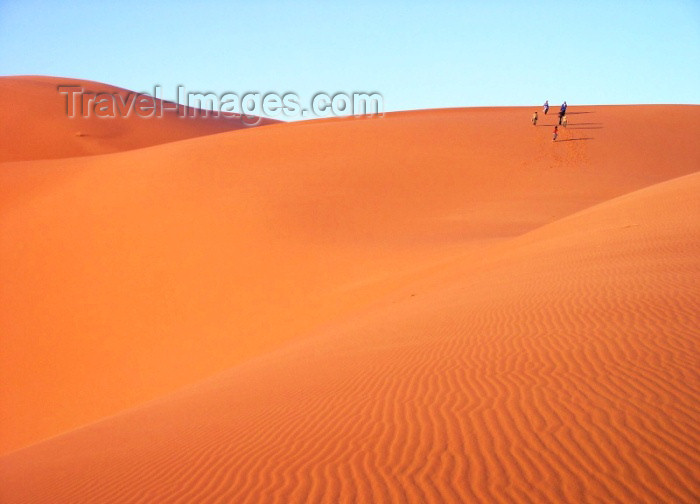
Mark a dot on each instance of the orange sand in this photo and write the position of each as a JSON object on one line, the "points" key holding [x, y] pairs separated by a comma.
{"points": [[434, 306], [35, 124]]}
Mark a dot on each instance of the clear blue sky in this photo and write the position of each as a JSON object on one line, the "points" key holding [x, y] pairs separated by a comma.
{"points": [[417, 54]]}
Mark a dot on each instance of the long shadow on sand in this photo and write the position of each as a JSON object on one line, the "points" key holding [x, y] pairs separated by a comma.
{"points": [[573, 126], [574, 139]]}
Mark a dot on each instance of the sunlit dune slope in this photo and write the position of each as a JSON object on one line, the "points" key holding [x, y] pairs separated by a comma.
{"points": [[36, 124], [557, 366], [128, 275]]}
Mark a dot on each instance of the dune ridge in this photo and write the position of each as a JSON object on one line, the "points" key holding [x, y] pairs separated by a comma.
{"points": [[434, 306], [504, 379], [127, 275], [36, 125]]}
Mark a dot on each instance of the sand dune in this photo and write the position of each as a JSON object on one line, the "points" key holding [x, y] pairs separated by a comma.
{"points": [[35, 124], [432, 306], [558, 367]]}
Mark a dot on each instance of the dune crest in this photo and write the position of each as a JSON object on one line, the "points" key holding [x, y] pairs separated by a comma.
{"points": [[36, 122], [126, 276], [559, 369], [438, 305]]}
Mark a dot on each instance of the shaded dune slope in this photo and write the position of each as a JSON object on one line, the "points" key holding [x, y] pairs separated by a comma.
{"points": [[35, 122], [557, 366], [126, 276]]}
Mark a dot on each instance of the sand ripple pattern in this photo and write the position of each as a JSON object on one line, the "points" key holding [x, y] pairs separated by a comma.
{"points": [[560, 367]]}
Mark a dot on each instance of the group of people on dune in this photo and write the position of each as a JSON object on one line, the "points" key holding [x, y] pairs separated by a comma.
{"points": [[562, 118]]}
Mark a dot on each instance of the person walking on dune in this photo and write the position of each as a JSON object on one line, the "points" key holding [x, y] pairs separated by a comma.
{"points": [[562, 109], [546, 107], [561, 116], [563, 121], [555, 134], [534, 119]]}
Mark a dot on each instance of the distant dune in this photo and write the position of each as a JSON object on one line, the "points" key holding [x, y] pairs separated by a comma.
{"points": [[35, 122], [433, 306]]}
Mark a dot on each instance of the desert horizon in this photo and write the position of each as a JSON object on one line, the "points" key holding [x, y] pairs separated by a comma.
{"points": [[349, 252], [438, 305]]}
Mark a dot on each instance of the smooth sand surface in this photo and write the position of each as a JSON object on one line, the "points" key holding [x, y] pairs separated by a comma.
{"points": [[36, 122], [435, 306]]}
